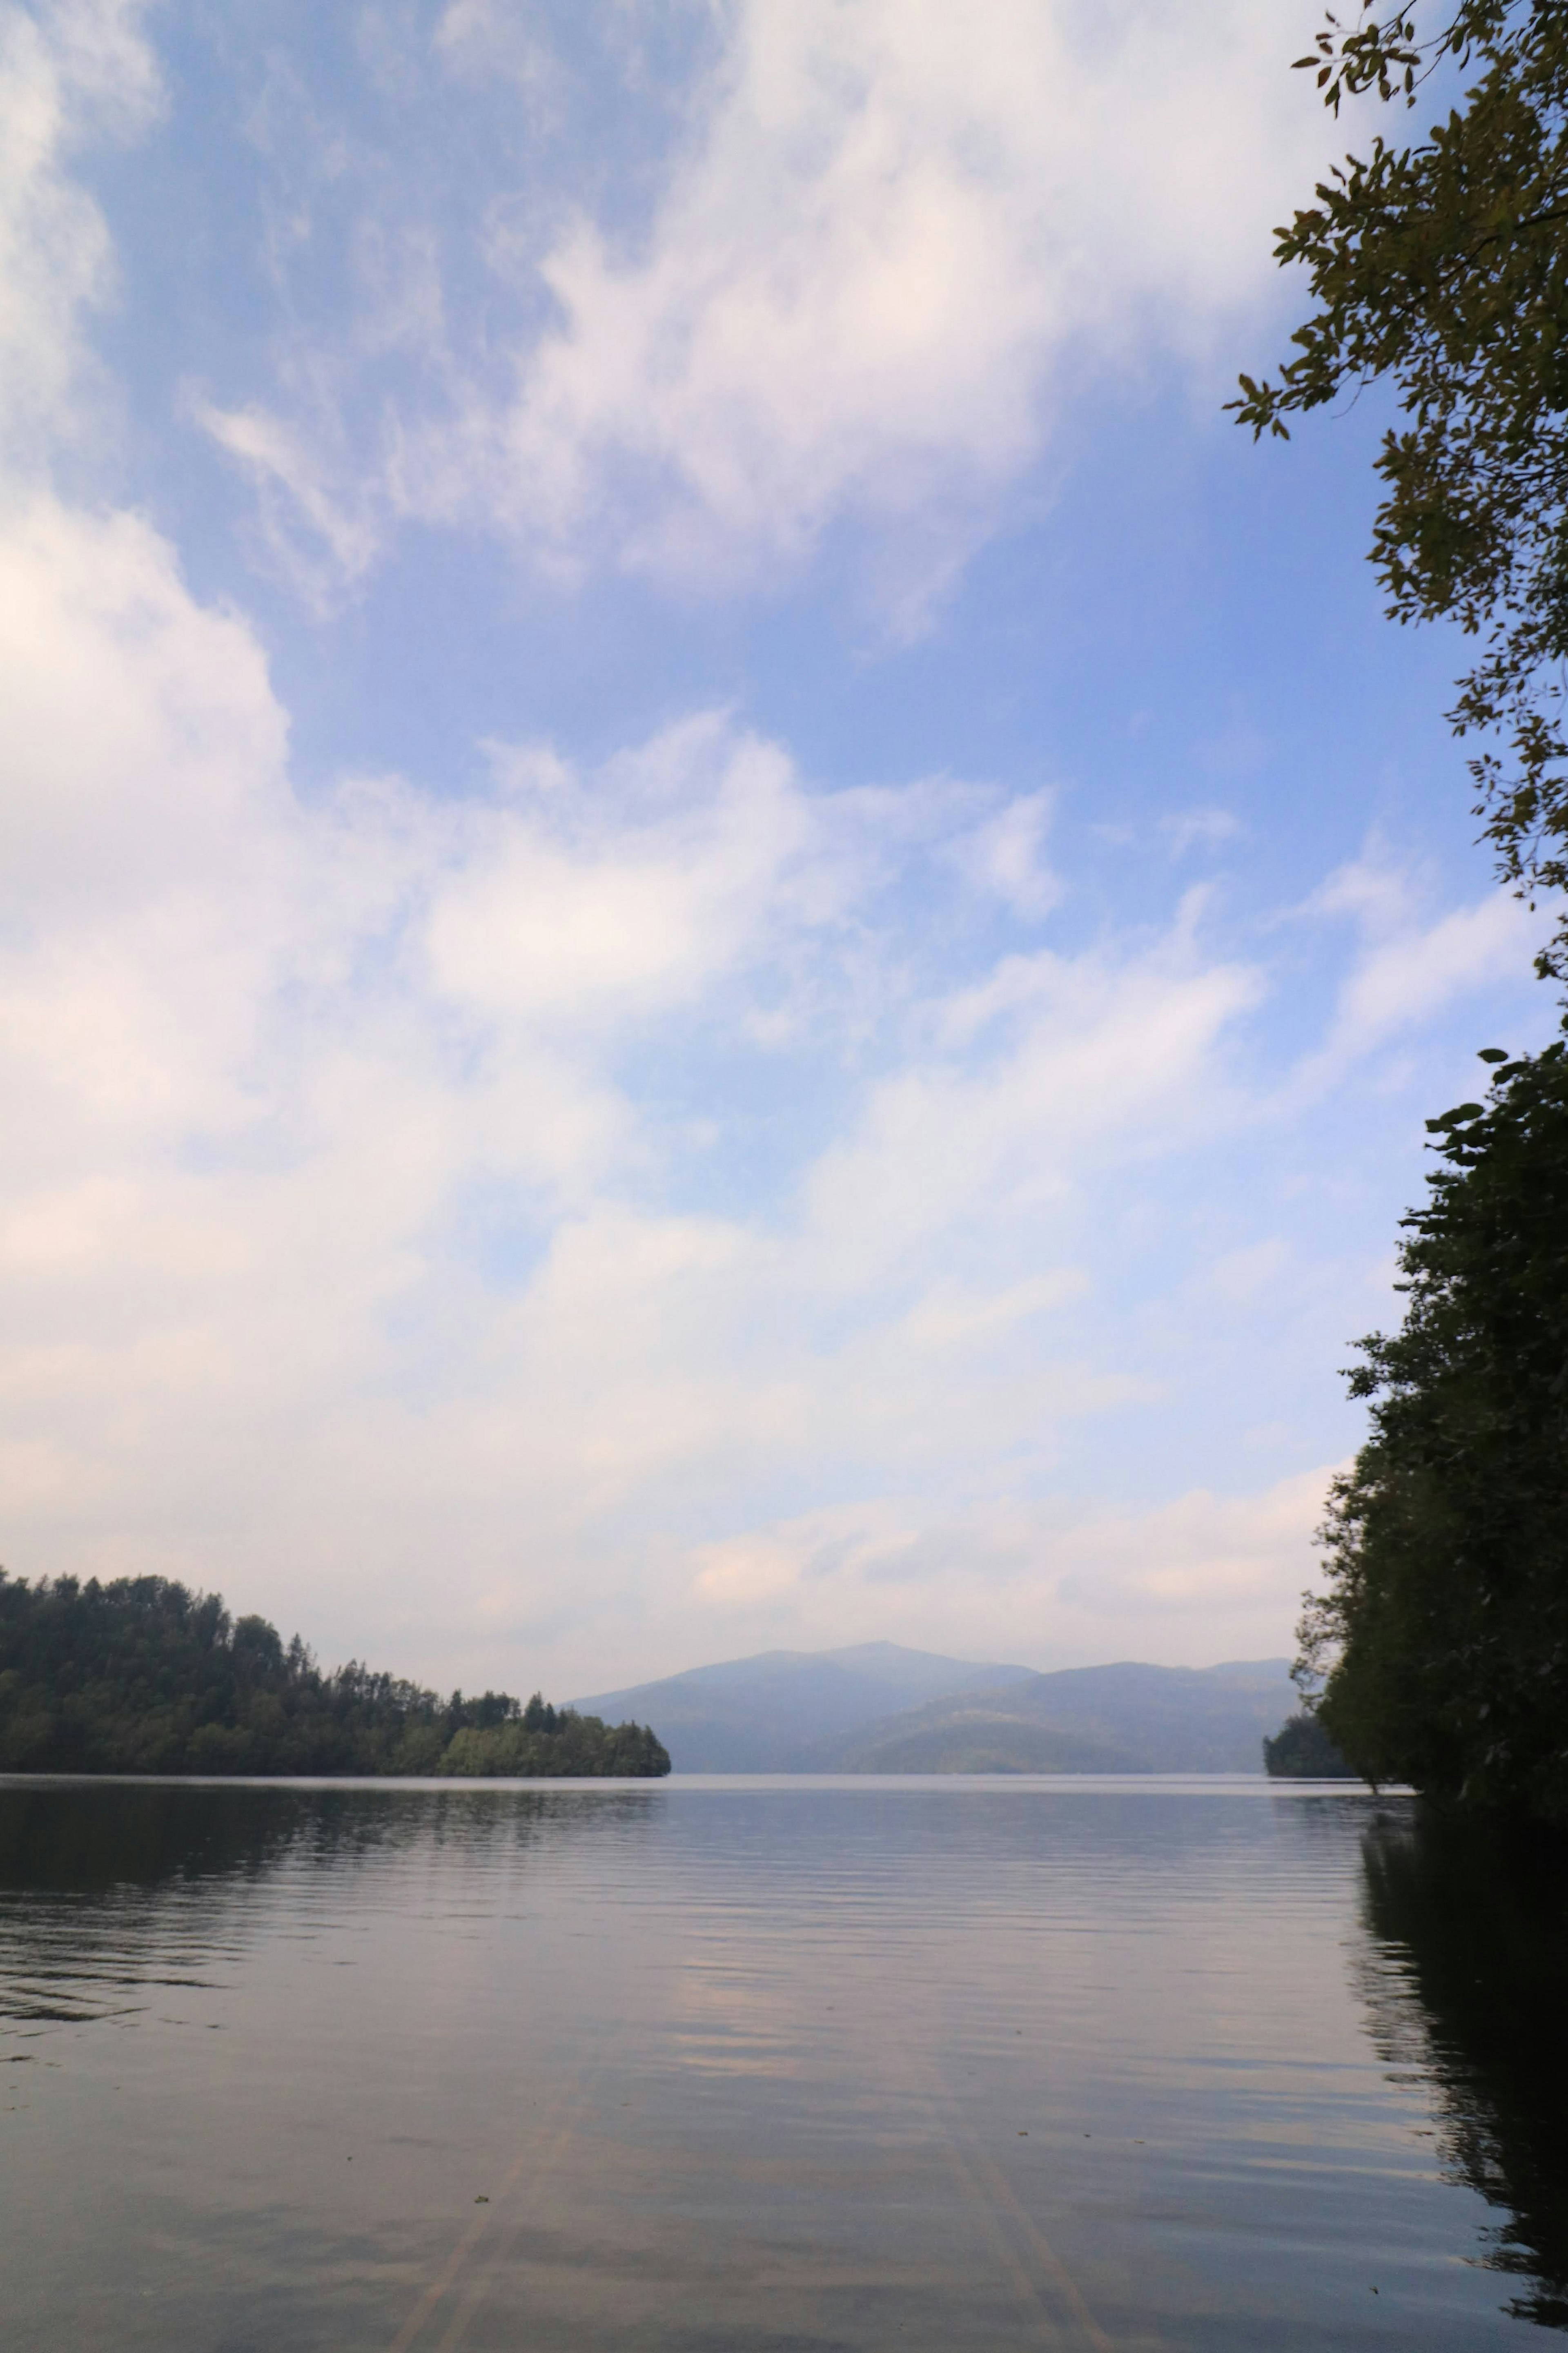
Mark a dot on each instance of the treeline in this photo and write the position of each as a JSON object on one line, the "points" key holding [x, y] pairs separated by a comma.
{"points": [[141, 1675], [1439, 268], [1301, 1751], [1443, 1633]]}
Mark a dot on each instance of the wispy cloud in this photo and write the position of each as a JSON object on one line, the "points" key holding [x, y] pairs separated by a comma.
{"points": [[878, 241], [673, 1192], [335, 1175], [1412, 960], [347, 1216], [1198, 828], [1045, 1585], [81, 69], [296, 483]]}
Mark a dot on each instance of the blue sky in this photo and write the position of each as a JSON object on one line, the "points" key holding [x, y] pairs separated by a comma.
{"points": [[721, 929]]}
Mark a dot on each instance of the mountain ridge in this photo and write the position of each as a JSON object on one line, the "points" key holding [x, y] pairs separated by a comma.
{"points": [[761, 1713], [882, 1707]]}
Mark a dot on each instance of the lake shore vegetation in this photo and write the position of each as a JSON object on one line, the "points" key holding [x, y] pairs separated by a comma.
{"points": [[143, 1675], [1302, 1750], [1439, 270], [1441, 1641]]}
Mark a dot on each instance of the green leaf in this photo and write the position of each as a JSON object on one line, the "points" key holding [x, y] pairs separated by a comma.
{"points": [[1437, 271]]}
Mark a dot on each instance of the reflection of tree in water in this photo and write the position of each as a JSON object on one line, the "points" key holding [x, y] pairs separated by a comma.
{"points": [[107, 1885], [1474, 1928], [65, 1840], [87, 1837]]}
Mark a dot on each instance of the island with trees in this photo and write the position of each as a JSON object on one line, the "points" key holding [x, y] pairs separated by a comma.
{"points": [[141, 1675]]}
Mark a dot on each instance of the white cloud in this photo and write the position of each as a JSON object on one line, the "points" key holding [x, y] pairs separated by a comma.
{"points": [[1411, 976], [77, 65], [1198, 828], [347, 1226], [888, 243], [284, 1079], [1408, 969], [294, 479], [1058, 1057], [950, 1316], [485, 38], [141, 729], [1246, 1555], [1006, 857], [630, 898], [1041, 1585], [631, 1199], [890, 226], [1374, 890], [337, 1231], [1250, 1276]]}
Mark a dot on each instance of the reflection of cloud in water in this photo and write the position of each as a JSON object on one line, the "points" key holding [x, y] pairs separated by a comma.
{"points": [[1468, 1988], [731, 2020]]}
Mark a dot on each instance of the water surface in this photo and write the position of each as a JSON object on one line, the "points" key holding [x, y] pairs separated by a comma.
{"points": [[771, 2065]]}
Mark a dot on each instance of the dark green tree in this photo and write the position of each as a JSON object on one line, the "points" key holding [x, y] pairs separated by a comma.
{"points": [[140, 1675], [1301, 1751], [1440, 268], [1443, 1632]]}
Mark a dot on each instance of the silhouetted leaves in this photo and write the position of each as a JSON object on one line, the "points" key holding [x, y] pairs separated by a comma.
{"points": [[1447, 1541], [1441, 268]]}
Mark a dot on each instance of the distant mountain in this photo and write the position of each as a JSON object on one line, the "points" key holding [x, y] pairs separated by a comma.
{"points": [[880, 1708], [1120, 1719], [767, 1714]]}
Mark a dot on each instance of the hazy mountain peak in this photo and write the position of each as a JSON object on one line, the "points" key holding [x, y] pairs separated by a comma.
{"points": [[871, 1706]]}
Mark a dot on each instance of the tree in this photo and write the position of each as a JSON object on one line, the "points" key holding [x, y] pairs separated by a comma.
{"points": [[1301, 1751], [1444, 1628], [140, 1675], [1441, 268]]}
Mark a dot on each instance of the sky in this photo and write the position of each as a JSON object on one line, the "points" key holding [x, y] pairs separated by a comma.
{"points": [[721, 929]]}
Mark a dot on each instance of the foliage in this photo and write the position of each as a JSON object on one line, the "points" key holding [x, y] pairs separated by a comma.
{"points": [[1301, 1751], [580, 1744], [1446, 1615], [1441, 268], [140, 1675]]}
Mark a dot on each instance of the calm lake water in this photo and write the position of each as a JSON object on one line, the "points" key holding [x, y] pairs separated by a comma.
{"points": [[773, 2064]]}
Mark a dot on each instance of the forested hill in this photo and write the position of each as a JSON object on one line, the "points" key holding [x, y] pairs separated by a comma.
{"points": [[141, 1675]]}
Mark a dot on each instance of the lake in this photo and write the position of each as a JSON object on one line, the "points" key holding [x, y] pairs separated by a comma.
{"points": [[866, 2063]]}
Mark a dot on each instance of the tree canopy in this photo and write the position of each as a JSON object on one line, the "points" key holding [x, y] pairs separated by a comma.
{"points": [[1444, 1628], [1441, 267], [141, 1675], [1301, 1751]]}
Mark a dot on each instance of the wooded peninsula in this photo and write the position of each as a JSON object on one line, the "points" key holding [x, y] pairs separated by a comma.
{"points": [[141, 1675]]}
